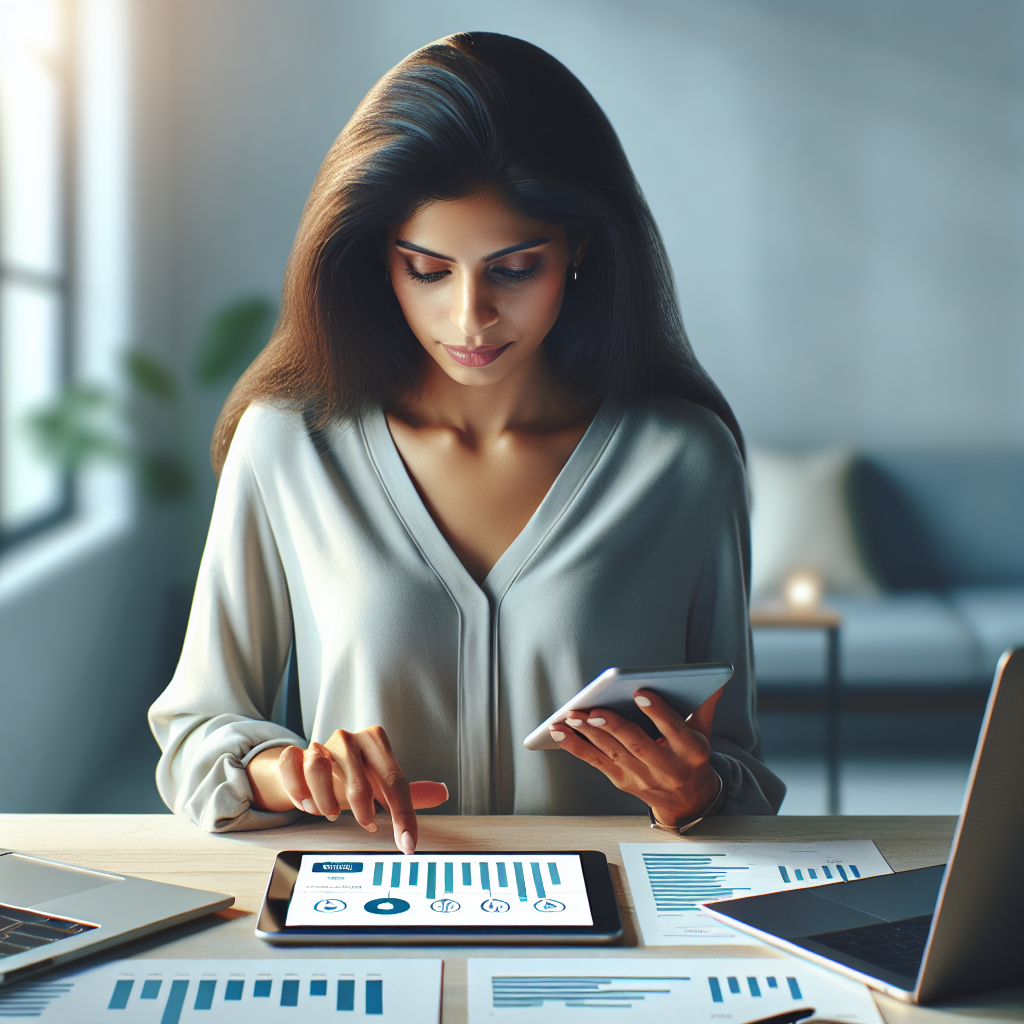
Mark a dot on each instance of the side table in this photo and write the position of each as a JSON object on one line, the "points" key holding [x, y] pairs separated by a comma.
{"points": [[781, 616]]}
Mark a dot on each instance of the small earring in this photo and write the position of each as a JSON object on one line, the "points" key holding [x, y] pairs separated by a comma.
{"points": [[575, 273]]}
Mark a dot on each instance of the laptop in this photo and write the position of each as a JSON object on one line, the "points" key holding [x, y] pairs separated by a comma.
{"points": [[936, 932], [51, 912]]}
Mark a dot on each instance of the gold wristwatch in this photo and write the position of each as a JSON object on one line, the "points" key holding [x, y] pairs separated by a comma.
{"points": [[680, 827]]}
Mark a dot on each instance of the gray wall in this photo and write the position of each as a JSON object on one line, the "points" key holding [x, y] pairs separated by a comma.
{"points": [[838, 185]]}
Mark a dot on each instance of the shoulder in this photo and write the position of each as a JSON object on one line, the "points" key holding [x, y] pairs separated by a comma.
{"points": [[274, 434], [696, 442]]}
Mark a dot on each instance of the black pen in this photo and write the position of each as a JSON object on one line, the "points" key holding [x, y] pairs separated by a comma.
{"points": [[789, 1017]]}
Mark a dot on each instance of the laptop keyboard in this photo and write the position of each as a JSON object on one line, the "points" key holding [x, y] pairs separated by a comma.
{"points": [[21, 930], [896, 946]]}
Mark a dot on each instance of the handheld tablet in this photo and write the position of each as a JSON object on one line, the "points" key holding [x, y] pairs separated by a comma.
{"points": [[685, 687], [390, 898]]}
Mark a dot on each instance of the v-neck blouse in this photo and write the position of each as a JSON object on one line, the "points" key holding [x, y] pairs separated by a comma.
{"points": [[320, 546]]}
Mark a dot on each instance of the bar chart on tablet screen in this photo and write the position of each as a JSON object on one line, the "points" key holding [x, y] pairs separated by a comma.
{"points": [[669, 882], [250, 991]]}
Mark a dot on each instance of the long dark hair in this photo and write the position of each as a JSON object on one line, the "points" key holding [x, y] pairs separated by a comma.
{"points": [[471, 112]]}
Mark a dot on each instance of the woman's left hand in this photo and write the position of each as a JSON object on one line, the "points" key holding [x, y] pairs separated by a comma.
{"points": [[671, 774]]}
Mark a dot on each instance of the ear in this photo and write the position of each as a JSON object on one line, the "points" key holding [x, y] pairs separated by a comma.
{"points": [[581, 250]]}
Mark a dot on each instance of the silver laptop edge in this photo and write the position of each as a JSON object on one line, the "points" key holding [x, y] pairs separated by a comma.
{"points": [[975, 897]]}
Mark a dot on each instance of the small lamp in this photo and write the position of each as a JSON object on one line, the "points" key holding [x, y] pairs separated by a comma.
{"points": [[802, 590]]}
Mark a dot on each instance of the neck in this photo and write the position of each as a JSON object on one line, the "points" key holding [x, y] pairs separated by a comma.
{"points": [[530, 399]]}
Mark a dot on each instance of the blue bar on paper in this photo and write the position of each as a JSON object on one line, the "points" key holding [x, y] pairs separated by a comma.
{"points": [[467, 873], [553, 872], [799, 875], [396, 874], [374, 997], [449, 877], [234, 989], [824, 867], [716, 990], [772, 983], [378, 873], [502, 875], [485, 877], [842, 873], [811, 873], [261, 988], [318, 987], [538, 880], [204, 997], [734, 986], [414, 873], [784, 873], [854, 871], [794, 988], [520, 880], [755, 989], [175, 1001], [290, 992], [347, 993], [151, 988], [431, 880], [122, 990]]}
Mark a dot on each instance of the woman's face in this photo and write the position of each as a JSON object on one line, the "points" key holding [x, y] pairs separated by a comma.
{"points": [[480, 284]]}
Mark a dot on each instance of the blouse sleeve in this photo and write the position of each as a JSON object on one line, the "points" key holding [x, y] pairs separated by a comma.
{"points": [[215, 714], [719, 630]]}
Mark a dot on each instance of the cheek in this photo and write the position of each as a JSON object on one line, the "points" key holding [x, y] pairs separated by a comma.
{"points": [[536, 308]]}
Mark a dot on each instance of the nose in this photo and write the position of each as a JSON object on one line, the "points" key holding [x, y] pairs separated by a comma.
{"points": [[473, 311]]}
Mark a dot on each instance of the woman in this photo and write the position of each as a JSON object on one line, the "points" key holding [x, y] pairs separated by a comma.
{"points": [[476, 464]]}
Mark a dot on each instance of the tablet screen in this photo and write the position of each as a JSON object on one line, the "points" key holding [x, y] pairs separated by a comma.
{"points": [[536, 890]]}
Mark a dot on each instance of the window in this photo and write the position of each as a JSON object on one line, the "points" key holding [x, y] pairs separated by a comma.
{"points": [[36, 223]]}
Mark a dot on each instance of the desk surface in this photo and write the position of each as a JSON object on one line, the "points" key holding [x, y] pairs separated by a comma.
{"points": [[168, 849]]}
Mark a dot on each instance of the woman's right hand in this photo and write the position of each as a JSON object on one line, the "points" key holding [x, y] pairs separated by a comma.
{"points": [[350, 770]]}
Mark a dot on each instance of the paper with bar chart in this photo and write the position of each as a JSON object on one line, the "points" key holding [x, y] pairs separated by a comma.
{"points": [[614, 990], [440, 890], [253, 991], [669, 882]]}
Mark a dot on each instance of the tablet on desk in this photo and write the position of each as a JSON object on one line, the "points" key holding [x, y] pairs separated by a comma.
{"points": [[685, 687], [439, 898]]}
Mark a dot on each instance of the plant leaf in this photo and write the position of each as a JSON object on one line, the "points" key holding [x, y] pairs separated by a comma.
{"points": [[164, 477], [150, 376], [234, 338], [71, 429]]}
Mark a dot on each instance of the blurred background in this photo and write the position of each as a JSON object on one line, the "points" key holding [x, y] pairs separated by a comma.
{"points": [[839, 185]]}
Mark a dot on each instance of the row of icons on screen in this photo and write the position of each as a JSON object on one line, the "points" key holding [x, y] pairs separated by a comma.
{"points": [[394, 905]]}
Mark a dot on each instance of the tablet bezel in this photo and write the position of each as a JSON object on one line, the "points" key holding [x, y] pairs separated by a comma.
{"points": [[607, 926]]}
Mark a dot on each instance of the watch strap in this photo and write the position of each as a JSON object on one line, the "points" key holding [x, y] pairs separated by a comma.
{"points": [[682, 826]]}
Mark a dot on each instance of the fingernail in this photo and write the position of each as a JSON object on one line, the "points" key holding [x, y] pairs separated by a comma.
{"points": [[309, 807], [407, 844], [644, 702], [333, 817], [596, 721], [372, 827], [557, 736], [446, 793], [298, 806], [574, 722]]}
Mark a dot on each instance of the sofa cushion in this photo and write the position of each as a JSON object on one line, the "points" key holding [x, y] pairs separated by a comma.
{"points": [[996, 617]]}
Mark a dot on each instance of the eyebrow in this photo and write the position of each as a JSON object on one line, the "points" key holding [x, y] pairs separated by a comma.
{"points": [[402, 243]]}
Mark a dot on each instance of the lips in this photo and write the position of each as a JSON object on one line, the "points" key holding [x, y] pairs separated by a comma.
{"points": [[475, 356]]}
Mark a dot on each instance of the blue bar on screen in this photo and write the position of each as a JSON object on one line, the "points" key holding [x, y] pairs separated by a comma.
{"points": [[772, 983], [485, 877], [799, 875], [824, 867], [449, 877], [734, 986], [396, 874], [150, 989], [784, 873], [842, 873], [811, 873], [854, 871], [716, 990], [175, 1001], [122, 990], [346, 994], [502, 875], [755, 989], [431, 880], [553, 872], [261, 988], [467, 873], [290, 992], [234, 989], [538, 880], [204, 997], [520, 880], [318, 987], [374, 997], [378, 873], [414, 873], [794, 988]]}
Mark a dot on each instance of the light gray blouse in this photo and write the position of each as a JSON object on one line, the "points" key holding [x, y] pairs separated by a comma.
{"points": [[638, 555]]}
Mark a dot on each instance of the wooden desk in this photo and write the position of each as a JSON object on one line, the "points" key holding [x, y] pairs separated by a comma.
{"points": [[169, 849]]}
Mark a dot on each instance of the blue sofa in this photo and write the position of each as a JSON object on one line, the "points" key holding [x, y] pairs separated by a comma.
{"points": [[943, 535]]}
